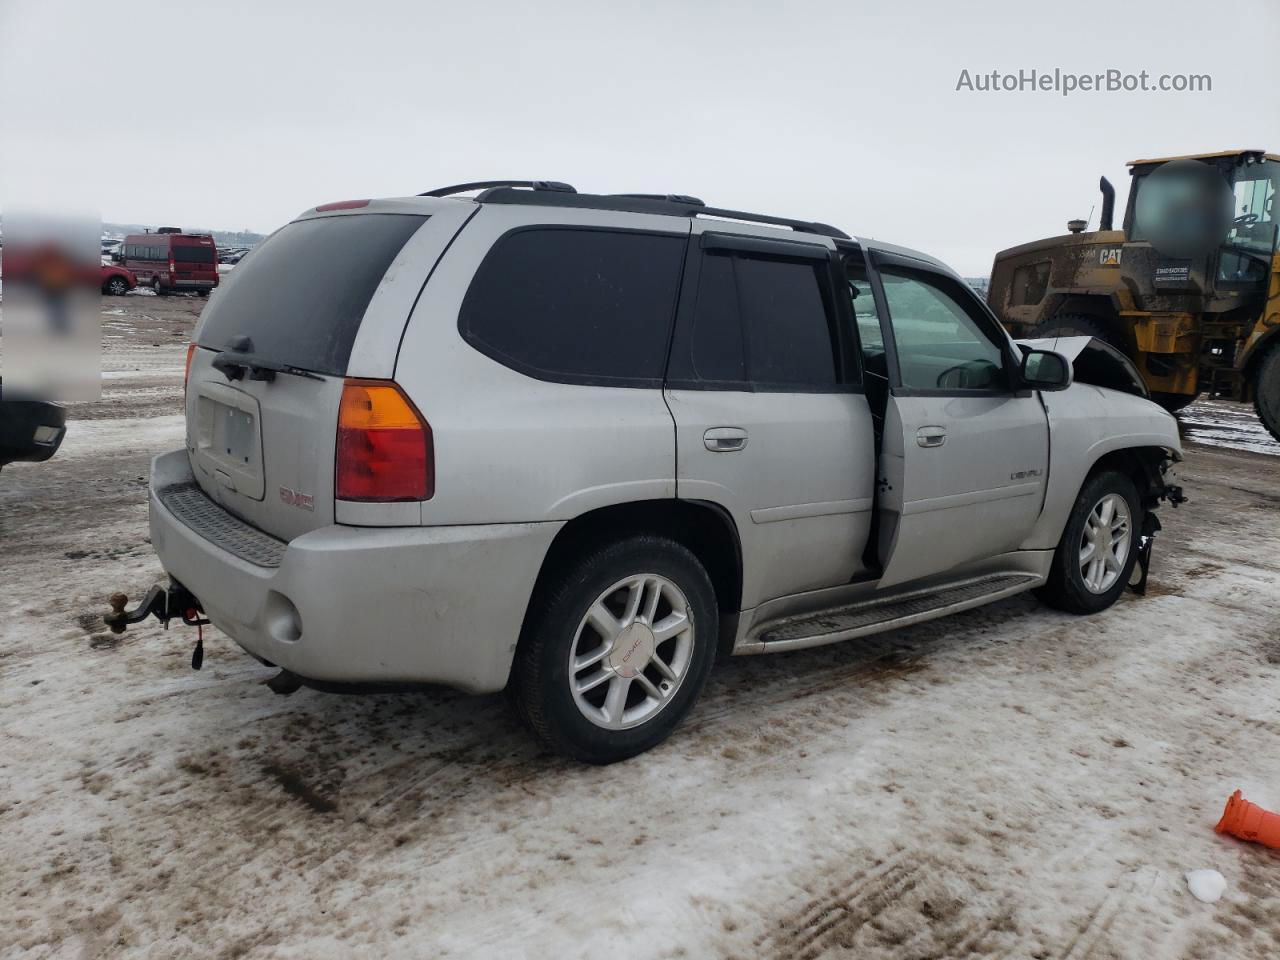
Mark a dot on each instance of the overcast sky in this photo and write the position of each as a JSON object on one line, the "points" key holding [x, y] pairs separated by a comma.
{"points": [[234, 115]]}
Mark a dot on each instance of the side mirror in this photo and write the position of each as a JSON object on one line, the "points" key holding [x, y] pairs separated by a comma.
{"points": [[1045, 370]]}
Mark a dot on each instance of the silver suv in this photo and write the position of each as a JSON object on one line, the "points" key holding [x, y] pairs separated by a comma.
{"points": [[575, 446]]}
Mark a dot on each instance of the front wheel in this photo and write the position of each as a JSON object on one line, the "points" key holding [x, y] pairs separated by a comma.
{"points": [[1266, 390], [616, 649], [117, 287], [1099, 547]]}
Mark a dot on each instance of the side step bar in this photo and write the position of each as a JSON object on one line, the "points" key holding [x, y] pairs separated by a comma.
{"points": [[878, 615]]}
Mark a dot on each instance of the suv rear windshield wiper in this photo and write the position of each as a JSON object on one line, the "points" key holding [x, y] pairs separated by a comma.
{"points": [[234, 365]]}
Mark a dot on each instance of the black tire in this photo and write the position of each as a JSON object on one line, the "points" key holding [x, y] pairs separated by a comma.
{"points": [[116, 287], [158, 287], [1266, 390], [203, 293], [539, 688], [1065, 588], [1078, 325], [1173, 402]]}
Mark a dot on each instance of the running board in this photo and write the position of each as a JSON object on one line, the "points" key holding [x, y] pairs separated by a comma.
{"points": [[876, 616]]}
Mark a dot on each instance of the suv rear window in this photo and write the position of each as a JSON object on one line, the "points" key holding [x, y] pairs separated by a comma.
{"points": [[301, 294], [577, 305], [192, 254]]}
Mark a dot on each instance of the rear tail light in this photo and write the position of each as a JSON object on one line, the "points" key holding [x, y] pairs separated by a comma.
{"points": [[186, 373], [172, 271], [384, 450]]}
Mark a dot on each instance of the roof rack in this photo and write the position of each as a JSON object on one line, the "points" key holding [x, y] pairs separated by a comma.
{"points": [[670, 204], [554, 186]]}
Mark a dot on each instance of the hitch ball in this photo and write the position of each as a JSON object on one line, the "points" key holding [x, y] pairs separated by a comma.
{"points": [[116, 618]]}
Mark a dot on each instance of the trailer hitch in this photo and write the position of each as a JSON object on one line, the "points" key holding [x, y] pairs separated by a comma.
{"points": [[165, 603]]}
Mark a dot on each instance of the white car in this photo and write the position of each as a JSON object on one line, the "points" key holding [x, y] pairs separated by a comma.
{"points": [[576, 445]]}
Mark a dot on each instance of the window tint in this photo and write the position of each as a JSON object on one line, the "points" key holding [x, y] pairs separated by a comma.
{"points": [[785, 320], [867, 317], [717, 329], [940, 343], [760, 320], [193, 254], [303, 293], [577, 304]]}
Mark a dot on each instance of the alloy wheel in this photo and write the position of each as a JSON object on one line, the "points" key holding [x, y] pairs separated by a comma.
{"points": [[1105, 543], [631, 651]]}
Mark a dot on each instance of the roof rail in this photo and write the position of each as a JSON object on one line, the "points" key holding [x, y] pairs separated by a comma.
{"points": [[554, 186], [670, 204]]}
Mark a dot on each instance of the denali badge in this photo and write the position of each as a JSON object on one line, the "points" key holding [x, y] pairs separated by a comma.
{"points": [[295, 499], [1025, 474]]}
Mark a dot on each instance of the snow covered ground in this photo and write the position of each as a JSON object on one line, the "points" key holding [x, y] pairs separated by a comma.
{"points": [[1010, 782]]}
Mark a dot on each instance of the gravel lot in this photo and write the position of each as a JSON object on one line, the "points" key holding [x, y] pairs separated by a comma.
{"points": [[1009, 782]]}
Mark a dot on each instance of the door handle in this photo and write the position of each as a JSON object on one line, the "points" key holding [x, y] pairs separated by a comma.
{"points": [[724, 439], [931, 436]]}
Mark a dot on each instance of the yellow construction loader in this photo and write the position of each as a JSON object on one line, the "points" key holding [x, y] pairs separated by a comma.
{"points": [[1194, 317]]}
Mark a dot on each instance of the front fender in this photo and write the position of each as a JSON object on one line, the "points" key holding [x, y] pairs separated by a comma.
{"points": [[1086, 423]]}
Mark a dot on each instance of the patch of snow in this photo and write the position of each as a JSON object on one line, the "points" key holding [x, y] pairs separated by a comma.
{"points": [[1206, 885], [1224, 423]]}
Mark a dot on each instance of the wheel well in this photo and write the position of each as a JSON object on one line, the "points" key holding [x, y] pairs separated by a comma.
{"points": [[1091, 307], [704, 528], [1143, 465]]}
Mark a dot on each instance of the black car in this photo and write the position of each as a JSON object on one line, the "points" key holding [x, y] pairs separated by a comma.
{"points": [[30, 430]]}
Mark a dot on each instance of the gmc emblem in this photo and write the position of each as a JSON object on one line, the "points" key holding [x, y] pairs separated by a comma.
{"points": [[293, 498]]}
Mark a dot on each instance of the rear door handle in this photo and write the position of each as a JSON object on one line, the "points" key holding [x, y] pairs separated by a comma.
{"points": [[931, 436], [724, 439]]}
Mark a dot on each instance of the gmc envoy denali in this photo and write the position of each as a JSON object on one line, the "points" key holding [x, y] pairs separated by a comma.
{"points": [[574, 446]]}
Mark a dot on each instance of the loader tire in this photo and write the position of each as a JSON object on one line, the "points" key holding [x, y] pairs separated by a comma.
{"points": [[1266, 390]]}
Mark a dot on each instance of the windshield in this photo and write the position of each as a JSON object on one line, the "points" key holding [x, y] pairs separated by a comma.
{"points": [[300, 296], [1253, 225]]}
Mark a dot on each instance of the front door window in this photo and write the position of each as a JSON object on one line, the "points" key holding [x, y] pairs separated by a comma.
{"points": [[940, 343]]}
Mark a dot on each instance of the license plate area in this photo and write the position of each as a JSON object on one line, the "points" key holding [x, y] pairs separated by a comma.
{"points": [[229, 439]]}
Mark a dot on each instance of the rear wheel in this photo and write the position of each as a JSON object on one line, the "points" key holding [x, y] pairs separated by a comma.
{"points": [[158, 287], [1099, 547], [616, 650], [1266, 390]]}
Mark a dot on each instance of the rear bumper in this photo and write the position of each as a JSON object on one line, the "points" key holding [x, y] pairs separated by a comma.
{"points": [[363, 604]]}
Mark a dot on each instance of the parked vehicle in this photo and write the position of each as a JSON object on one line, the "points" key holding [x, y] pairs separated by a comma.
{"points": [[30, 430], [577, 445], [172, 262], [117, 281]]}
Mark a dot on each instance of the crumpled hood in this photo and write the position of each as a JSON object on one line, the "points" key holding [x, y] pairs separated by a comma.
{"points": [[1094, 361]]}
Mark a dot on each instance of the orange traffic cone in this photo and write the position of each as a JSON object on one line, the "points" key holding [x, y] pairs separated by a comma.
{"points": [[1248, 821]]}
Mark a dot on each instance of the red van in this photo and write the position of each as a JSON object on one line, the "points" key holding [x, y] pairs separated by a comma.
{"points": [[170, 261]]}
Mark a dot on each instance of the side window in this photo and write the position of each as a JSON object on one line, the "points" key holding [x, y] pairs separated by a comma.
{"points": [[717, 349], [940, 342], [576, 304], [867, 317], [762, 320], [786, 321]]}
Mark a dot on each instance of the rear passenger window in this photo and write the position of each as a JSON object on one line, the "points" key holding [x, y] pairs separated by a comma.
{"points": [[577, 304], [759, 322], [785, 321]]}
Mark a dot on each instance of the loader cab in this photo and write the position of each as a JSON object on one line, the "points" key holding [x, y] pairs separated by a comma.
{"points": [[1238, 266]]}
